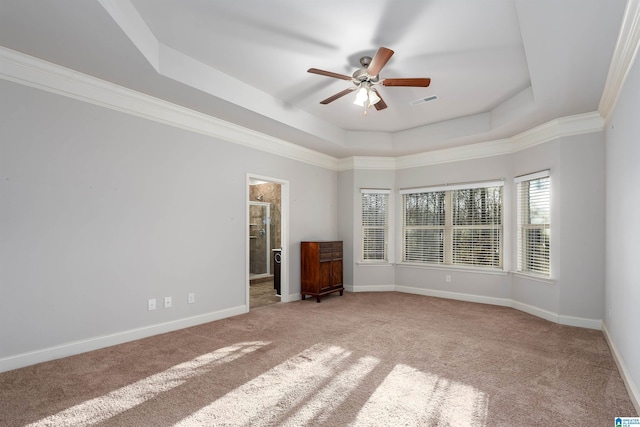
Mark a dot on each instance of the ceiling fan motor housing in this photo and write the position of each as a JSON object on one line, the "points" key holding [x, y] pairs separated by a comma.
{"points": [[362, 75]]}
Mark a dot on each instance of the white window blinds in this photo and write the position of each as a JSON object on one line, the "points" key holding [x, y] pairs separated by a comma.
{"points": [[375, 224], [534, 223], [454, 225], [477, 226], [424, 227]]}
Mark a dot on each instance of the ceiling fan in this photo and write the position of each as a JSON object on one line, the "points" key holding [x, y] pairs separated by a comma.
{"points": [[366, 78]]}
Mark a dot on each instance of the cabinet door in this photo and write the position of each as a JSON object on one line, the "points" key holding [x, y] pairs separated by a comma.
{"points": [[310, 274], [326, 276], [336, 272]]}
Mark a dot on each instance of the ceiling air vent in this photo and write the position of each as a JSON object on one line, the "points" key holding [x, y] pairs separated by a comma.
{"points": [[423, 100]]}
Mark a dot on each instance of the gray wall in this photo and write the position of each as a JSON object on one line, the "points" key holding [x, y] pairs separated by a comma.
{"points": [[492, 288], [577, 228], [575, 293], [622, 296], [346, 224], [367, 276], [101, 211], [371, 276]]}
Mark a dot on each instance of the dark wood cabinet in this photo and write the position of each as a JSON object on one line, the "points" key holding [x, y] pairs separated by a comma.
{"points": [[321, 271]]}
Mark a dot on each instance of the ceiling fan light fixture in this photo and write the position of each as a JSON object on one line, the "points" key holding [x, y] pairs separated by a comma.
{"points": [[373, 97], [361, 96]]}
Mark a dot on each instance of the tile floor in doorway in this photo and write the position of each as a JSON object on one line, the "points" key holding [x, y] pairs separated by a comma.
{"points": [[262, 293]]}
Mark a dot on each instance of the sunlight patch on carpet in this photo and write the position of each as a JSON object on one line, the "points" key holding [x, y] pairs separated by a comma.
{"points": [[410, 397], [330, 397], [104, 407], [305, 389], [267, 397]]}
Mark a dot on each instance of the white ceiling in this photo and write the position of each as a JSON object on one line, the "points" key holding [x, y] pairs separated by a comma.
{"points": [[498, 67]]}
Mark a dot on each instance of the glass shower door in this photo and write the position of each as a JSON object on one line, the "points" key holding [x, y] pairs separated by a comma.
{"points": [[259, 239]]}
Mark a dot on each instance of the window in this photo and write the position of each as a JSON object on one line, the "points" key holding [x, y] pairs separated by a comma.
{"points": [[375, 224], [424, 226], [534, 217], [454, 225]]}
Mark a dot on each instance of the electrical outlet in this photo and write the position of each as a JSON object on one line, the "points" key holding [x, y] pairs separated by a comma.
{"points": [[447, 278], [168, 302], [191, 298], [151, 304]]}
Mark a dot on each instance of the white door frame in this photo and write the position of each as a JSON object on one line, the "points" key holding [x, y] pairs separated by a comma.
{"points": [[284, 234]]}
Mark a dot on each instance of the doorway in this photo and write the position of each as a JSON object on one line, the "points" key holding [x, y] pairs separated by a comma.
{"points": [[267, 229]]}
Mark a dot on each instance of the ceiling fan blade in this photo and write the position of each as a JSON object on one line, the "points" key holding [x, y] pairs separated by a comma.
{"points": [[337, 95], [382, 56], [417, 82], [328, 74], [380, 105]]}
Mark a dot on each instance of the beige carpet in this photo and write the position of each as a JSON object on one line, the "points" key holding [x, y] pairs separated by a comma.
{"points": [[366, 359]]}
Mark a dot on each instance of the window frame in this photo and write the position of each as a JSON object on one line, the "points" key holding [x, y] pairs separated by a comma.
{"points": [[448, 228], [524, 256], [364, 227]]}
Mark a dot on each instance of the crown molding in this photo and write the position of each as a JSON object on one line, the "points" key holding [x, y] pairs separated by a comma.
{"points": [[455, 154], [555, 129], [364, 162], [33, 72], [36, 73], [558, 128], [623, 57]]}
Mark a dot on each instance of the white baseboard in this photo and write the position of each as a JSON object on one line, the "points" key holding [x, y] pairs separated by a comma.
{"points": [[455, 296], [632, 388], [505, 302], [580, 322], [536, 311], [294, 297], [82, 346], [373, 288]]}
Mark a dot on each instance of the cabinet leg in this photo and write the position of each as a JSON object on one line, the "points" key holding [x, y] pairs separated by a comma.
{"points": [[318, 299], [341, 292], [303, 296]]}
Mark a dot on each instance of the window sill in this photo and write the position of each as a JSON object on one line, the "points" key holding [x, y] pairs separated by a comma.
{"points": [[459, 268], [547, 280], [374, 264]]}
